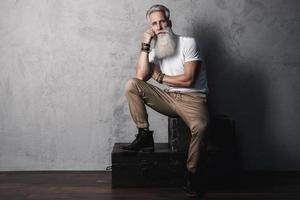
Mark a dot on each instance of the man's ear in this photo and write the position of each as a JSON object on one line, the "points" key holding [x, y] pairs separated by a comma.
{"points": [[170, 23]]}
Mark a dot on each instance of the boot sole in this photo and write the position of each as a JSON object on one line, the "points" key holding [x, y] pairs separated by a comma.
{"points": [[147, 149]]}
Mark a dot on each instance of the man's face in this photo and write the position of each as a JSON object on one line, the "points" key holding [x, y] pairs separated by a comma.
{"points": [[158, 22], [165, 40]]}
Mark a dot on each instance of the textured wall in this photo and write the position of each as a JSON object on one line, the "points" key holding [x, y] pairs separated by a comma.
{"points": [[63, 65]]}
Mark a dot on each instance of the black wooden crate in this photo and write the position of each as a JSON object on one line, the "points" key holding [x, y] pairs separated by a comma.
{"points": [[161, 168]]}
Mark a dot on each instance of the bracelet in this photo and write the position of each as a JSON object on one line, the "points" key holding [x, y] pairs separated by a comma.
{"points": [[145, 47], [145, 44], [160, 78]]}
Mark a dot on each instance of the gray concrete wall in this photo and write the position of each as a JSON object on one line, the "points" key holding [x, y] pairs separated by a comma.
{"points": [[63, 65]]}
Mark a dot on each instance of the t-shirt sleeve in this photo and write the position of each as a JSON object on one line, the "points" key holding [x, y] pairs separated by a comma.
{"points": [[191, 51]]}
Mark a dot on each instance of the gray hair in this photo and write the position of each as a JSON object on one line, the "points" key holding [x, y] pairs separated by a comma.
{"points": [[158, 7]]}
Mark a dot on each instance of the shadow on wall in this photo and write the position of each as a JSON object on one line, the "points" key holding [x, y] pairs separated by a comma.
{"points": [[237, 90]]}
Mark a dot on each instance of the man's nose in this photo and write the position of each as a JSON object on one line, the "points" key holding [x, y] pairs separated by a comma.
{"points": [[159, 27]]}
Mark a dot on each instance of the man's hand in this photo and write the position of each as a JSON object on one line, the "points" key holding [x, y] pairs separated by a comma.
{"points": [[148, 35], [155, 72]]}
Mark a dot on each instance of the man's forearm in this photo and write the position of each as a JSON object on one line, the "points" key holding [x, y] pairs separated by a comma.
{"points": [[178, 81], [143, 67]]}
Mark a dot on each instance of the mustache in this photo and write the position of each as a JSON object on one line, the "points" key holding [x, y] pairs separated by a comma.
{"points": [[163, 31]]}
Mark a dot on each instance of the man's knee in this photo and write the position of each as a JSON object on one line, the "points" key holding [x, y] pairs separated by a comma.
{"points": [[131, 85], [198, 130]]}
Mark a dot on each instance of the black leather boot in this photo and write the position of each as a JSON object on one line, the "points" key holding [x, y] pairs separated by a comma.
{"points": [[143, 142], [193, 187]]}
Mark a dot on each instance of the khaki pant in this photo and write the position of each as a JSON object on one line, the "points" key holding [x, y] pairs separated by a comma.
{"points": [[191, 107]]}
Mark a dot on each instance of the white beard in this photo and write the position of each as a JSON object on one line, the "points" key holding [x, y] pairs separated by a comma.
{"points": [[165, 44]]}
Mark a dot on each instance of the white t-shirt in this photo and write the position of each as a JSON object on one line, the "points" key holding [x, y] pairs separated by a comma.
{"points": [[186, 51]]}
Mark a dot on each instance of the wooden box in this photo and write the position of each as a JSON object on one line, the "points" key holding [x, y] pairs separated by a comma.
{"points": [[161, 168]]}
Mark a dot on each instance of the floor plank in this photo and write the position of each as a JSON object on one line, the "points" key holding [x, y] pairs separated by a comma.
{"points": [[87, 185]]}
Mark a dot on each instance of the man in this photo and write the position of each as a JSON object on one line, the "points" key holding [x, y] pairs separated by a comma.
{"points": [[175, 61]]}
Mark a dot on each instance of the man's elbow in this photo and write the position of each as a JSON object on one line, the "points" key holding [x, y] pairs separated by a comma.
{"points": [[189, 83], [142, 78]]}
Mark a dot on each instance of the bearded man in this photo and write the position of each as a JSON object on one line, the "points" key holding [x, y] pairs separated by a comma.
{"points": [[175, 61]]}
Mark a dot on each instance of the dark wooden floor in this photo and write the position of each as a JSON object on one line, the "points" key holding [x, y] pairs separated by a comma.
{"points": [[97, 185]]}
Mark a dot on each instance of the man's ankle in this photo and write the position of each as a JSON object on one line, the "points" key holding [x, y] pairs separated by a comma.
{"points": [[141, 130]]}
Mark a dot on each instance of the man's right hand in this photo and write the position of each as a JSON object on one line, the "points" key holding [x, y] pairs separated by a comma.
{"points": [[148, 35]]}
